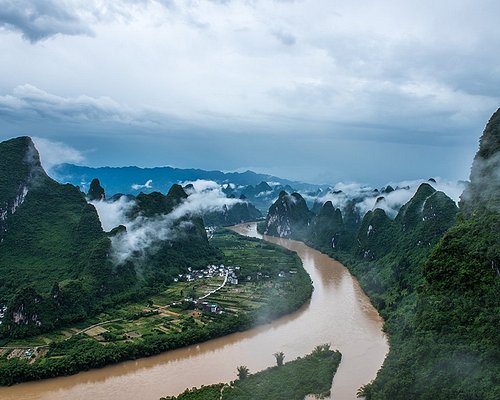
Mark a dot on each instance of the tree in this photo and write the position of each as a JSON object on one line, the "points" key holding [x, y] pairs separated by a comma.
{"points": [[243, 372], [279, 358]]}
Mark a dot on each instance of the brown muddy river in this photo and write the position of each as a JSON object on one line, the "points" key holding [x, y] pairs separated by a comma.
{"points": [[339, 313]]}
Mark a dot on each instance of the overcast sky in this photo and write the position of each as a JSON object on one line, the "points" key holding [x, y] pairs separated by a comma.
{"points": [[317, 90]]}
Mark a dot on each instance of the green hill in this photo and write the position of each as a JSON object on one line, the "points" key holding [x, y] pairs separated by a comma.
{"points": [[288, 216], [51, 239], [434, 274], [186, 245], [56, 263]]}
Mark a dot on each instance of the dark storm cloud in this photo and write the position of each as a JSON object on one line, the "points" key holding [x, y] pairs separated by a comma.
{"points": [[371, 91], [27, 102], [37, 20]]}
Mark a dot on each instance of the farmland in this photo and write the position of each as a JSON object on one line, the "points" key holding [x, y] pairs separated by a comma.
{"points": [[257, 283]]}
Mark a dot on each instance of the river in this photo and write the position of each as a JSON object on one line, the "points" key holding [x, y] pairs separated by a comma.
{"points": [[338, 313]]}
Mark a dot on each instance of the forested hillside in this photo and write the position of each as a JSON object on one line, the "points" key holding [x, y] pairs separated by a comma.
{"points": [[56, 262], [433, 273]]}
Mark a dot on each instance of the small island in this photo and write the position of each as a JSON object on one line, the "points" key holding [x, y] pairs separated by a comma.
{"points": [[309, 375]]}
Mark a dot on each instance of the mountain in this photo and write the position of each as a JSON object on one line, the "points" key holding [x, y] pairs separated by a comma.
{"points": [[484, 188], [132, 180], [376, 235], [51, 239], [288, 216], [20, 169], [238, 213], [96, 191], [58, 266], [458, 305], [252, 191], [170, 244], [328, 228], [433, 272]]}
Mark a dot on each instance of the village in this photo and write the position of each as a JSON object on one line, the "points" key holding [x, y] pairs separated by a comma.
{"points": [[230, 275], [251, 276], [194, 296]]}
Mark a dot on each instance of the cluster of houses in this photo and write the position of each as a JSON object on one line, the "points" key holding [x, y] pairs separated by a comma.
{"points": [[210, 272], [221, 270], [208, 307], [230, 275]]}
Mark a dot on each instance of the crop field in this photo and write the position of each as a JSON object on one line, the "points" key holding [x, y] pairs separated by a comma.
{"points": [[254, 275]]}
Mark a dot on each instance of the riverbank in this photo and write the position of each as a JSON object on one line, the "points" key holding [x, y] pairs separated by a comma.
{"points": [[294, 380], [266, 283], [338, 313]]}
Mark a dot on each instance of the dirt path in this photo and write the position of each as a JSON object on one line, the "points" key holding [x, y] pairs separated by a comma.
{"points": [[216, 290]]}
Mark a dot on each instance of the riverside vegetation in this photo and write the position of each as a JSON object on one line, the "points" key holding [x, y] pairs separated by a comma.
{"points": [[67, 305], [273, 283], [308, 375], [432, 272]]}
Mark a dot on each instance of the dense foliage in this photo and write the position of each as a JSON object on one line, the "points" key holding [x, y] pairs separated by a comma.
{"points": [[276, 297], [77, 354], [55, 264], [237, 213], [288, 216], [434, 277], [312, 374]]}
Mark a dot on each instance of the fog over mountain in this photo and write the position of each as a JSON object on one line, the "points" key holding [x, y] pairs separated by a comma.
{"points": [[390, 197]]}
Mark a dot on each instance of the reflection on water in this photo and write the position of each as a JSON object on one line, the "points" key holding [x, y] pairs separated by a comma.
{"points": [[339, 313]]}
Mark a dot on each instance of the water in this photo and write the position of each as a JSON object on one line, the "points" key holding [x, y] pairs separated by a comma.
{"points": [[339, 313]]}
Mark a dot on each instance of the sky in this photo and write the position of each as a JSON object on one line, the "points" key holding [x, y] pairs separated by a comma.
{"points": [[315, 90]]}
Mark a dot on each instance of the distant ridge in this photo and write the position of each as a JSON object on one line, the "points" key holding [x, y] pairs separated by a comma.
{"points": [[135, 179]]}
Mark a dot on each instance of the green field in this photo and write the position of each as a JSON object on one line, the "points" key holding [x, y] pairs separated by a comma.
{"points": [[271, 283]]}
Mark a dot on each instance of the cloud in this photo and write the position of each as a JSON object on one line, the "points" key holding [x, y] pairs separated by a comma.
{"points": [[53, 153], [284, 37], [29, 101], [113, 214], [144, 234], [201, 185], [147, 185], [38, 20], [357, 78], [367, 199]]}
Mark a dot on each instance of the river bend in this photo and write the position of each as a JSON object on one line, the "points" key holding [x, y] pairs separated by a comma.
{"points": [[338, 313]]}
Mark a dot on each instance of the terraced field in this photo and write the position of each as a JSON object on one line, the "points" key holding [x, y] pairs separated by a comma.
{"points": [[270, 281]]}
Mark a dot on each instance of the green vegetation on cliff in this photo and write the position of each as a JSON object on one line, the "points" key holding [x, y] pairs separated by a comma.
{"points": [[434, 274], [55, 259], [53, 252], [448, 346]]}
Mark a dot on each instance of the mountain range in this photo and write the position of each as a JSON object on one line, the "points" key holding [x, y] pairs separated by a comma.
{"points": [[133, 180], [58, 265], [433, 272]]}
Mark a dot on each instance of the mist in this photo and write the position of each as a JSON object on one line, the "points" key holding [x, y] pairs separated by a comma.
{"points": [[144, 234], [368, 199]]}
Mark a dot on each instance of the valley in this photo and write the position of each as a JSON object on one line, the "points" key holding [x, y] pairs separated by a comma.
{"points": [[259, 283], [338, 313], [135, 276], [249, 200]]}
